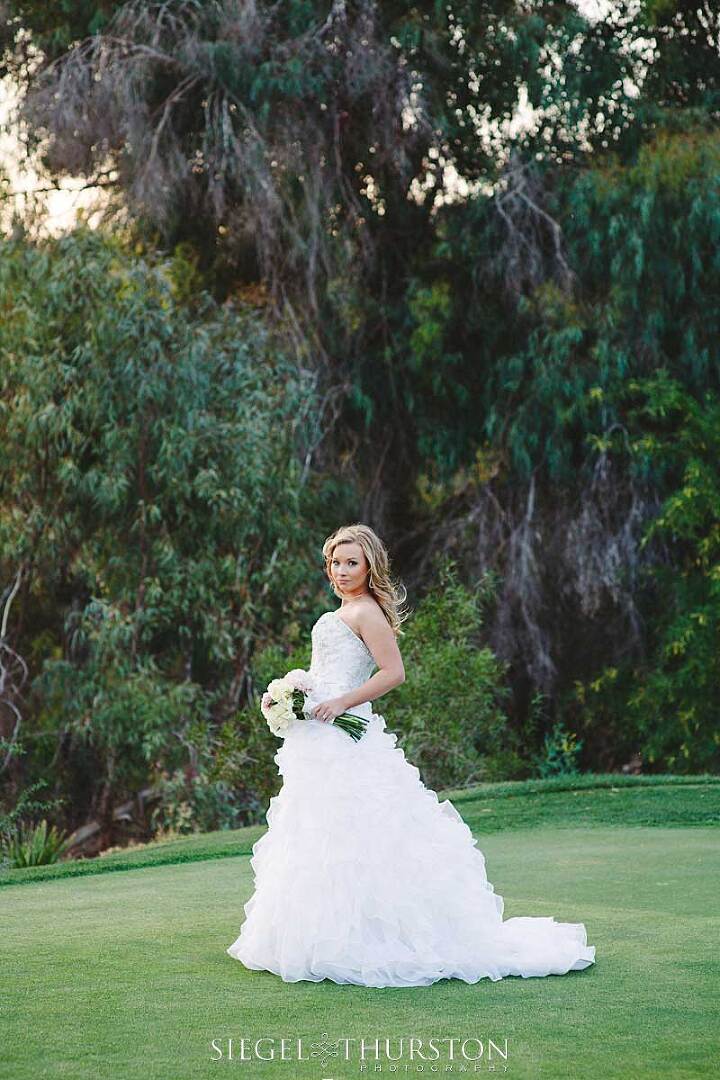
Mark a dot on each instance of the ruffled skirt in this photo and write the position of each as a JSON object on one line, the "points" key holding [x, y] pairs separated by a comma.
{"points": [[365, 877]]}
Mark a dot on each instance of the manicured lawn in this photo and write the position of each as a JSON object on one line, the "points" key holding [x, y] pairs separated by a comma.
{"points": [[598, 799], [125, 975]]}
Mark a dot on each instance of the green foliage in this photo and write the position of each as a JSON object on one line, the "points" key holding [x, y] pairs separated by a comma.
{"points": [[543, 380], [664, 707], [195, 805], [27, 807], [449, 712], [25, 841], [597, 708], [32, 845], [675, 701], [151, 499], [552, 394], [235, 773], [151, 494], [561, 752]]}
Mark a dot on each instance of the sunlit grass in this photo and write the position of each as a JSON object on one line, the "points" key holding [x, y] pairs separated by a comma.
{"points": [[125, 975]]}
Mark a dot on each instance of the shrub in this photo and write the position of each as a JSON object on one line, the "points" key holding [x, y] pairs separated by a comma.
{"points": [[448, 714], [561, 751], [32, 845]]}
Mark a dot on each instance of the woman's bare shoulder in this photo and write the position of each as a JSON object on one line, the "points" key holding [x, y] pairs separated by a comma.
{"points": [[369, 614]]}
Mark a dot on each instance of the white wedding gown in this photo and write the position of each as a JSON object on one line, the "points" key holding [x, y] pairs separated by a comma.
{"points": [[363, 876]]}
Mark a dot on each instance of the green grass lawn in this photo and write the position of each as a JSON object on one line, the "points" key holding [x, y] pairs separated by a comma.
{"points": [[124, 975]]}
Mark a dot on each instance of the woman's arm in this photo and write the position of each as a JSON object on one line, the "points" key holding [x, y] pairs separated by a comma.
{"points": [[377, 685], [377, 634]]}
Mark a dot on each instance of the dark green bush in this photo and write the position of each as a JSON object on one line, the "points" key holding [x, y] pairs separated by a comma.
{"points": [[448, 714]]}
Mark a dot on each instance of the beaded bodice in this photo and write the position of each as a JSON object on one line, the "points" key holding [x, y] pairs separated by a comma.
{"points": [[340, 659]]}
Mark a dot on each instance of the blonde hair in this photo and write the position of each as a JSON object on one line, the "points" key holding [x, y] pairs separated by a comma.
{"points": [[389, 594]]}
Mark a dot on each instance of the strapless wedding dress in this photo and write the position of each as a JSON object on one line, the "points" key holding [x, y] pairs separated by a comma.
{"points": [[363, 876]]}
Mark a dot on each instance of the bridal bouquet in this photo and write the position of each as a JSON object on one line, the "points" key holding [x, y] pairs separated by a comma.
{"points": [[283, 703]]}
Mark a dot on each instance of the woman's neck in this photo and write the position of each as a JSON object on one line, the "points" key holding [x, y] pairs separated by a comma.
{"points": [[349, 599]]}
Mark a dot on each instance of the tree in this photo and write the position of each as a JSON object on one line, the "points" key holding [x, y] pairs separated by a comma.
{"points": [[154, 500]]}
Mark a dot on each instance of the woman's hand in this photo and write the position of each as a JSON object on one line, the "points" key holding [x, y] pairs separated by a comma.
{"points": [[328, 710]]}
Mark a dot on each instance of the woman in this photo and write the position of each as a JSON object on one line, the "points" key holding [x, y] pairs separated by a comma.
{"points": [[363, 876]]}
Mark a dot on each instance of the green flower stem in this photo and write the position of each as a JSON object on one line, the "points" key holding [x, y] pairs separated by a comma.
{"points": [[353, 725]]}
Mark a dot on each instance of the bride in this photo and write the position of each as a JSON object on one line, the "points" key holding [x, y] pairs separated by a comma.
{"points": [[363, 876]]}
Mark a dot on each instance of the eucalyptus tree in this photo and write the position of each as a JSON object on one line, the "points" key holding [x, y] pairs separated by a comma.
{"points": [[154, 509]]}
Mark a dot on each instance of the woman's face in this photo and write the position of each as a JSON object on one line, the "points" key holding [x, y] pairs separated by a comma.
{"points": [[349, 568]]}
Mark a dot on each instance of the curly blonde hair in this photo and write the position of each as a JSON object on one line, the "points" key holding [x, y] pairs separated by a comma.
{"points": [[389, 594]]}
